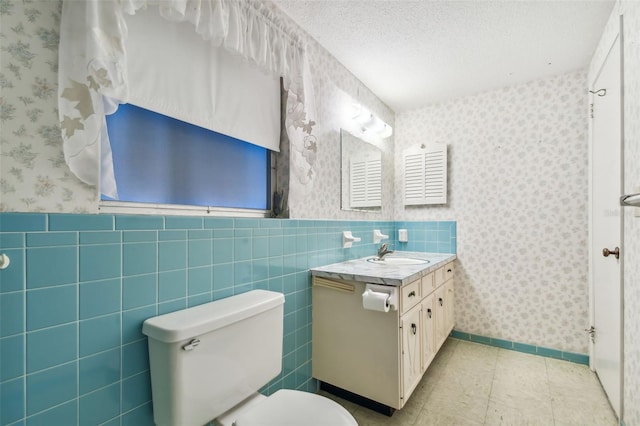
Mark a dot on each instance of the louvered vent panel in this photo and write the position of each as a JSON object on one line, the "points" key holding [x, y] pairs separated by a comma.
{"points": [[425, 175], [358, 188], [414, 178], [374, 182], [435, 175], [366, 183]]}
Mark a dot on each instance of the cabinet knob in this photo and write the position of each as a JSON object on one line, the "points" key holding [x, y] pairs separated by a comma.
{"points": [[429, 312], [412, 294], [414, 328], [441, 301]]}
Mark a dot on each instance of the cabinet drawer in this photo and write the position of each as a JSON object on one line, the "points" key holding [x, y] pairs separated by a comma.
{"points": [[443, 274], [447, 271], [428, 284], [409, 296], [438, 277]]}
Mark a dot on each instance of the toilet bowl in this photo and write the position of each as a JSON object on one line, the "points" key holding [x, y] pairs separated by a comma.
{"points": [[208, 362], [287, 408]]}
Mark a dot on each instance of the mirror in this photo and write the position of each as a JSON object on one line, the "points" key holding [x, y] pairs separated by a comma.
{"points": [[361, 174]]}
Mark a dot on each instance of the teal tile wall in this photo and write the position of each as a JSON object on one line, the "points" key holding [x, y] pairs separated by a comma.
{"points": [[432, 237], [78, 288]]}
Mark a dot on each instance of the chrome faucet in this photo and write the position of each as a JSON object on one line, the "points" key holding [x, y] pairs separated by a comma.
{"points": [[383, 251]]}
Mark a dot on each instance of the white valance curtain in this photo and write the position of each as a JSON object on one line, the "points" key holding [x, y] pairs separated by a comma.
{"points": [[95, 76], [174, 72]]}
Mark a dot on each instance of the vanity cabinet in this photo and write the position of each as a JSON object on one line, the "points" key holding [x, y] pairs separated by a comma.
{"points": [[379, 355]]}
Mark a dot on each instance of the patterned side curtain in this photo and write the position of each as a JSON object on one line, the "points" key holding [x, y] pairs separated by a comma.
{"points": [[299, 123], [93, 80], [91, 76]]}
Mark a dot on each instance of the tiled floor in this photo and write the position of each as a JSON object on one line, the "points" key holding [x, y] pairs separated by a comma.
{"points": [[474, 384]]}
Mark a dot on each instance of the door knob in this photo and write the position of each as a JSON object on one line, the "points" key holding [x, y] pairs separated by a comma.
{"points": [[616, 252]]}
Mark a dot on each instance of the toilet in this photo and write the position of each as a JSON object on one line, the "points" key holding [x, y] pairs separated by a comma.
{"points": [[208, 363]]}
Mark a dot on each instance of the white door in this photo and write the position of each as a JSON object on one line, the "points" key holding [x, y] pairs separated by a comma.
{"points": [[606, 226]]}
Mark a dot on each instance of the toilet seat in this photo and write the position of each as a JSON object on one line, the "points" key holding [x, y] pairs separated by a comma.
{"points": [[296, 408]]}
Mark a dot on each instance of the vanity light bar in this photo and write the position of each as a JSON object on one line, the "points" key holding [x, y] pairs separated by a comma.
{"points": [[369, 122]]}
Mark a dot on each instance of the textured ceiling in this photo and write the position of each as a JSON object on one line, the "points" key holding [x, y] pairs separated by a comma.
{"points": [[414, 53]]}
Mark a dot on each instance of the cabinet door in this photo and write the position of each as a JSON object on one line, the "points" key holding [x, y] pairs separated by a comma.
{"points": [[449, 307], [411, 351], [441, 316], [428, 331]]}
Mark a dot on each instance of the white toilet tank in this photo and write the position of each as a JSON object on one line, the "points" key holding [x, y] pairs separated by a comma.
{"points": [[206, 359]]}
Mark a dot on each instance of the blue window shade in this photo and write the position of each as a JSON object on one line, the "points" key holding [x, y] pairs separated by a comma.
{"points": [[158, 159]]}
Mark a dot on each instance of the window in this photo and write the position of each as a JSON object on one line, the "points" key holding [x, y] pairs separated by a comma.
{"points": [[218, 67], [159, 159]]}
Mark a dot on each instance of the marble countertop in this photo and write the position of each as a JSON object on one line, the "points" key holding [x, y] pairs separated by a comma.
{"points": [[371, 272]]}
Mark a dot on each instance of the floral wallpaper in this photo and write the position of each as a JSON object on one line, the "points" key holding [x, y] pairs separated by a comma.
{"points": [[518, 192], [34, 174]]}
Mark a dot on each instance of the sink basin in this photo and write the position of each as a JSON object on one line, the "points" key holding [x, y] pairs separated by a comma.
{"points": [[398, 261]]}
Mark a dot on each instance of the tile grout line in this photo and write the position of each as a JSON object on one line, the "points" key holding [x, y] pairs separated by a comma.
{"points": [[546, 370], [493, 378]]}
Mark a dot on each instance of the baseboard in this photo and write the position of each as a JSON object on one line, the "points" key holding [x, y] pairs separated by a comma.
{"points": [[522, 347]]}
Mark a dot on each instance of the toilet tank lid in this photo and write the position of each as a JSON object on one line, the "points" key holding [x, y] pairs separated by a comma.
{"points": [[188, 323]]}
